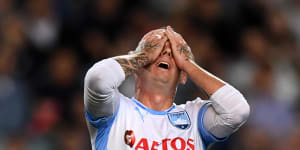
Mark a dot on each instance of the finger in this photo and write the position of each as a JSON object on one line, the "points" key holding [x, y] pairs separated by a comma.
{"points": [[151, 33], [148, 35], [159, 38], [163, 40], [171, 37], [169, 34], [157, 34], [181, 39], [178, 37], [151, 37], [157, 41]]}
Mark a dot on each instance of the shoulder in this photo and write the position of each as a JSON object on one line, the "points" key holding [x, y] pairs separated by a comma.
{"points": [[125, 102], [195, 104], [193, 107]]}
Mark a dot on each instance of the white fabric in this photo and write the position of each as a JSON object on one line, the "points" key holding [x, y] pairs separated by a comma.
{"points": [[153, 128], [100, 85], [228, 112]]}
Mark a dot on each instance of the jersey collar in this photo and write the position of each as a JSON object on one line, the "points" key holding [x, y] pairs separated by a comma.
{"points": [[151, 111]]}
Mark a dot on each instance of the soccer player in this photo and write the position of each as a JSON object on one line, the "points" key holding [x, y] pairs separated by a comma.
{"points": [[150, 120]]}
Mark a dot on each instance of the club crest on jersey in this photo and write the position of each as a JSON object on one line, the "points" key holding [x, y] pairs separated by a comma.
{"points": [[180, 119], [129, 137]]}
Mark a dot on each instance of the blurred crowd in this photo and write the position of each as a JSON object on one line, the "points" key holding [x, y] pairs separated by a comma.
{"points": [[46, 46]]}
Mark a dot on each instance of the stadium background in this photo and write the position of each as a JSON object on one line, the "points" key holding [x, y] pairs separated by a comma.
{"points": [[46, 46]]}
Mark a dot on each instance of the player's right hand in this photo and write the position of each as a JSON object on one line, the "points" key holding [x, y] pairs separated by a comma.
{"points": [[152, 44]]}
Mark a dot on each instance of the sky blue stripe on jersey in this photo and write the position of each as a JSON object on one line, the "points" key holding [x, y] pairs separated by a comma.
{"points": [[141, 115], [103, 124], [151, 111], [207, 137]]}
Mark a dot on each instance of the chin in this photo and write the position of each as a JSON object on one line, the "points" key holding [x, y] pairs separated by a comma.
{"points": [[165, 80]]}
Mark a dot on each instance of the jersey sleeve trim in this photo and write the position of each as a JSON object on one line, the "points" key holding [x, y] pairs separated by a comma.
{"points": [[103, 124], [206, 136], [101, 121]]}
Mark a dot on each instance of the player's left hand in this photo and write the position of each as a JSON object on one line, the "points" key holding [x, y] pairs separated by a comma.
{"points": [[180, 50]]}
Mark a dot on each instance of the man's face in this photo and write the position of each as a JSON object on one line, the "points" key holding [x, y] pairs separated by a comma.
{"points": [[163, 71]]}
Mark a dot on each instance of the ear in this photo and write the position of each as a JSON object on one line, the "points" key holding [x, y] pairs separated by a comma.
{"points": [[182, 77]]}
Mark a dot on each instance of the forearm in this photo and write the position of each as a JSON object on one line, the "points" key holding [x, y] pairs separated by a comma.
{"points": [[202, 78], [229, 108], [104, 78], [132, 62]]}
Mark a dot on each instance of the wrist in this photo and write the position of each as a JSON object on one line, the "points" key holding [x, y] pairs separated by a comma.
{"points": [[144, 57], [132, 62], [186, 65]]}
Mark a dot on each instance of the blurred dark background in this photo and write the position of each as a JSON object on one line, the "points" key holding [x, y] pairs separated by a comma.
{"points": [[46, 46]]}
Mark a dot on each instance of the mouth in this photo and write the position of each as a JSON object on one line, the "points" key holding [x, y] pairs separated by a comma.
{"points": [[163, 65]]}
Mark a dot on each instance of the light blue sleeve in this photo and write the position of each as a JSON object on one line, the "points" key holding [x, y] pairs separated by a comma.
{"points": [[206, 136]]}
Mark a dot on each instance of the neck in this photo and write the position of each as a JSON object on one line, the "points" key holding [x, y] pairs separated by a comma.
{"points": [[157, 99]]}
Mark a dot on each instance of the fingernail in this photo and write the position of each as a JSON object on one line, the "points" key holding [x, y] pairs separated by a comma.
{"points": [[158, 36], [168, 27], [169, 30]]}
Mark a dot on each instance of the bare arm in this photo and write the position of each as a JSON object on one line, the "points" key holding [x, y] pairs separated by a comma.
{"points": [[101, 96], [131, 63], [202, 78], [229, 108], [147, 51]]}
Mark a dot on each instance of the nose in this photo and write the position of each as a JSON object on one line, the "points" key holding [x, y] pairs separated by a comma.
{"points": [[167, 50]]}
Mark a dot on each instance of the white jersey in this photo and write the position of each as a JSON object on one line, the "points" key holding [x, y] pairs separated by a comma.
{"points": [[117, 122], [137, 127]]}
